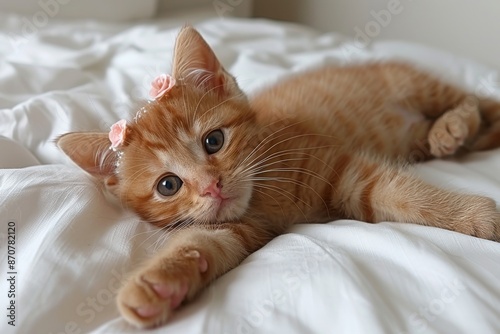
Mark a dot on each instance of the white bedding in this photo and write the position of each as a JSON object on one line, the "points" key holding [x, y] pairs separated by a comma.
{"points": [[73, 247]]}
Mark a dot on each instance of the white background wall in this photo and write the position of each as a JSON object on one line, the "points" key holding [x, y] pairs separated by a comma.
{"points": [[240, 8], [469, 28]]}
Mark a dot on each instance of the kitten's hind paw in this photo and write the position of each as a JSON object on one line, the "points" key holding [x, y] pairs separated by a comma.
{"points": [[453, 128], [149, 298], [447, 134]]}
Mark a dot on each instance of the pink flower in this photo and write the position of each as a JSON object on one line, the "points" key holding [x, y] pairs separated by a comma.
{"points": [[160, 85], [117, 133]]}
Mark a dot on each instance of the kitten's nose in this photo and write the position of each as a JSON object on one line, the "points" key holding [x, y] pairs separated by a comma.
{"points": [[213, 190]]}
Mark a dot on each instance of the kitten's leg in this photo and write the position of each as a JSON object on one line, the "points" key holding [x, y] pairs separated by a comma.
{"points": [[421, 91], [192, 258], [373, 191], [474, 124], [489, 135], [461, 118]]}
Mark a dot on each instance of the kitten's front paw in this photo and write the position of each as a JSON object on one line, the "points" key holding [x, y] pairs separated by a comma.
{"points": [[150, 296], [484, 221]]}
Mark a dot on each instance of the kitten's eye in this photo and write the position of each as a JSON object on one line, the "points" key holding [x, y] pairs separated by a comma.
{"points": [[214, 141], [169, 185]]}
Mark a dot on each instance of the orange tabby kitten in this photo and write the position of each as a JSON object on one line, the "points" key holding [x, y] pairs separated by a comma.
{"points": [[231, 172]]}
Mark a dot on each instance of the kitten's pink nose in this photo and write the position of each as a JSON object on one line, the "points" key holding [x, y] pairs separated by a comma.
{"points": [[213, 190]]}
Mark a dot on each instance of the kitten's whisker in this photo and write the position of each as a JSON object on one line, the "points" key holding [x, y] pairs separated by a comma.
{"points": [[268, 138], [286, 191], [221, 103], [161, 240], [145, 232], [156, 231], [149, 237], [266, 194], [318, 159], [275, 156], [288, 139], [201, 99], [260, 166], [180, 225], [281, 192], [253, 169], [101, 157], [143, 167], [169, 230], [284, 180], [285, 168], [173, 217], [184, 102], [296, 170], [296, 182], [263, 160], [137, 174], [284, 152]]}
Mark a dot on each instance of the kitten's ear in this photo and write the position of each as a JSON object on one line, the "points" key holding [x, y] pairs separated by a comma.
{"points": [[90, 151], [195, 63]]}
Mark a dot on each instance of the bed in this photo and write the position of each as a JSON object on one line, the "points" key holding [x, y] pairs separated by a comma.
{"points": [[73, 246]]}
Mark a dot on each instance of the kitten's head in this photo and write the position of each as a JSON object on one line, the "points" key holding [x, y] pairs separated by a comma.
{"points": [[182, 158]]}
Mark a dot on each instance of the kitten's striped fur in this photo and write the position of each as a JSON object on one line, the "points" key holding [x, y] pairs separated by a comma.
{"points": [[330, 143]]}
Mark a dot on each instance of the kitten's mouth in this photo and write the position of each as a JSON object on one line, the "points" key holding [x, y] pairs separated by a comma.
{"points": [[223, 202], [228, 206], [222, 206]]}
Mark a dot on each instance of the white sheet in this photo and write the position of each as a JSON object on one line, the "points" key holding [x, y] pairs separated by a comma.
{"points": [[73, 247]]}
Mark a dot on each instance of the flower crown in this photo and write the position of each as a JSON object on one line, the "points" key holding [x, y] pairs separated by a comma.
{"points": [[159, 87]]}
